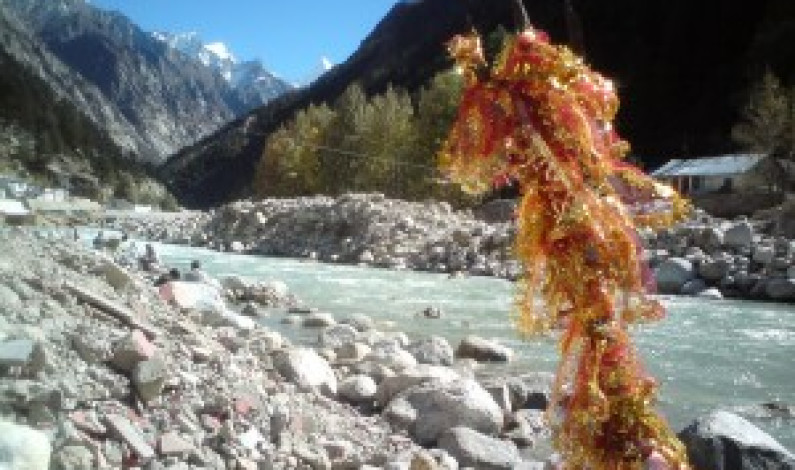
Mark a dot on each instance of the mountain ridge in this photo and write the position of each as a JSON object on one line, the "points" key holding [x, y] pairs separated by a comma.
{"points": [[160, 99], [682, 70]]}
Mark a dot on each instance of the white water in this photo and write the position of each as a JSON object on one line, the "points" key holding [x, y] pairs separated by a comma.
{"points": [[706, 354]]}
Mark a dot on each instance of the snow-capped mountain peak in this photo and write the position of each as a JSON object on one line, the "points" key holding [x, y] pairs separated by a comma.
{"points": [[249, 78], [221, 51]]}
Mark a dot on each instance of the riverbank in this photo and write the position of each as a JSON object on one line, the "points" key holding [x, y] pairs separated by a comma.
{"points": [[94, 363], [704, 256], [112, 375]]}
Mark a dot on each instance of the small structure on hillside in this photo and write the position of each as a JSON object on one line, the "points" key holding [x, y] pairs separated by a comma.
{"points": [[735, 173]]}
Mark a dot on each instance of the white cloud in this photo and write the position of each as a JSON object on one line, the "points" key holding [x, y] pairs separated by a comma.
{"points": [[327, 63]]}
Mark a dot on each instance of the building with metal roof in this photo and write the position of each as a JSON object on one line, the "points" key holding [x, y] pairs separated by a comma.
{"points": [[724, 173]]}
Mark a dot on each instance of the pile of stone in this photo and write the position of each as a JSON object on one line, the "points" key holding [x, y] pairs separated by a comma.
{"points": [[714, 258], [97, 371], [366, 229]]}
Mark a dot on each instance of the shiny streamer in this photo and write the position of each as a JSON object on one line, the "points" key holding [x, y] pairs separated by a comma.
{"points": [[540, 118]]}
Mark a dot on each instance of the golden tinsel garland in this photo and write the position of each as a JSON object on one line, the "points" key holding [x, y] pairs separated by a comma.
{"points": [[540, 118]]}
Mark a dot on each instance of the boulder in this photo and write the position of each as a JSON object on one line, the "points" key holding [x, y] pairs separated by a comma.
{"points": [[22, 447], [25, 353], [307, 369], [235, 283], [149, 376], [9, 298], [434, 350], [391, 386], [431, 408], [390, 354], [318, 320], [709, 238], [482, 350], [672, 274], [694, 287], [118, 277], [531, 391], [780, 289], [131, 350], [763, 254], [473, 449], [739, 235], [352, 352], [219, 315], [72, 457], [336, 336], [358, 389], [723, 440], [711, 293], [714, 270], [360, 322]]}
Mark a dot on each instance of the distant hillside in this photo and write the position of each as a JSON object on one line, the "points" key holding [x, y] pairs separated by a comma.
{"points": [[683, 69], [154, 98]]}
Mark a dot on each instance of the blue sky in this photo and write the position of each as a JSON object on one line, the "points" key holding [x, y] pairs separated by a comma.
{"points": [[290, 36]]}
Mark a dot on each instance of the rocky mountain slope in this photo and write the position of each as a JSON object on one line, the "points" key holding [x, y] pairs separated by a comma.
{"points": [[249, 78], [155, 99], [682, 68]]}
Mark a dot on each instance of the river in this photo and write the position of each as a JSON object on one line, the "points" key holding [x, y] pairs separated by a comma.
{"points": [[706, 354]]}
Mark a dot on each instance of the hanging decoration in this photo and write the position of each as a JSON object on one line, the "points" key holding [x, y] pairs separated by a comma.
{"points": [[539, 118]]}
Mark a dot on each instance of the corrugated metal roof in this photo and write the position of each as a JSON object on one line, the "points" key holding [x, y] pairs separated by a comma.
{"points": [[724, 165]]}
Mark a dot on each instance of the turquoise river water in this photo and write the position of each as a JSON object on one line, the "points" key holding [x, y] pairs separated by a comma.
{"points": [[706, 354]]}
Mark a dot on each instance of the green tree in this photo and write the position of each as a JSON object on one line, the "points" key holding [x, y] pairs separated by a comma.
{"points": [[767, 126], [765, 118]]}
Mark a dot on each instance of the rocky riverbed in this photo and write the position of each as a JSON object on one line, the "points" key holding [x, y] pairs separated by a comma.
{"points": [[703, 256], [98, 371]]}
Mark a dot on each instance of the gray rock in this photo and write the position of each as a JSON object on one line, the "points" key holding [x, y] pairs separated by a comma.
{"points": [[709, 238], [711, 293], [473, 449], [131, 435], [149, 376], [434, 350], [318, 320], [693, 287], [723, 440], [8, 298], [335, 336], [531, 391], [307, 369], [22, 447], [131, 350], [763, 254], [501, 395], [672, 274], [24, 353], [714, 270], [360, 322], [72, 458], [389, 387], [739, 235], [390, 354], [482, 350], [92, 349], [780, 289], [432, 407], [352, 352], [358, 389]]}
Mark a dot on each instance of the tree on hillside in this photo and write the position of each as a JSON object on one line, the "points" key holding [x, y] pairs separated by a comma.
{"points": [[765, 119], [767, 126]]}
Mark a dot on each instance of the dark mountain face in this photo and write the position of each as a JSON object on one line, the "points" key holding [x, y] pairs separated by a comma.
{"points": [[682, 68], [166, 99]]}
